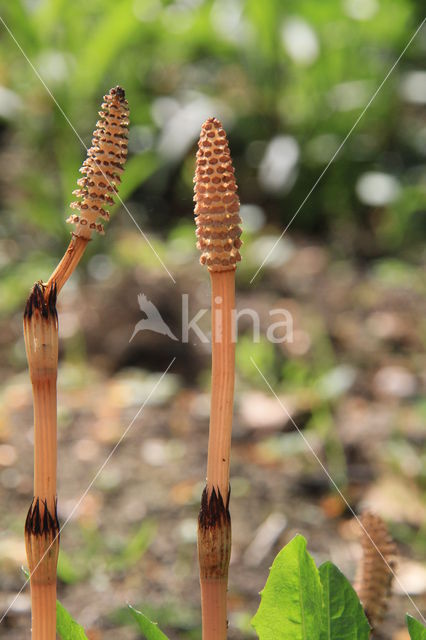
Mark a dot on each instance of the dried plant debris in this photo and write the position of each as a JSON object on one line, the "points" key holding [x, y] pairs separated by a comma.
{"points": [[217, 204], [103, 166], [376, 570]]}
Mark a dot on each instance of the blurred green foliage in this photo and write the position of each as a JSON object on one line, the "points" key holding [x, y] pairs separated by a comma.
{"points": [[288, 79], [174, 615], [97, 552]]}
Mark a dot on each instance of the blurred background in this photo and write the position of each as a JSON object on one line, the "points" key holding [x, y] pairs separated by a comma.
{"points": [[289, 81]]}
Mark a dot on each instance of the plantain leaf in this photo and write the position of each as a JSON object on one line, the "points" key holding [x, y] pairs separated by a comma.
{"points": [[149, 629], [416, 629], [66, 626], [343, 617], [290, 607]]}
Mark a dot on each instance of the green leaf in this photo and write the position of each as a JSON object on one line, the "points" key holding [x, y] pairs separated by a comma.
{"points": [[290, 606], [343, 617], [416, 629], [149, 629], [66, 626]]}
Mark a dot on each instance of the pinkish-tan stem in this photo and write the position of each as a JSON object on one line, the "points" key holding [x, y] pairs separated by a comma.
{"points": [[214, 621], [223, 374], [70, 260], [43, 600], [41, 527]]}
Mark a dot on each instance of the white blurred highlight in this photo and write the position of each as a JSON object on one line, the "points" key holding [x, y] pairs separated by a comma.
{"points": [[300, 41], [361, 9], [277, 171], [377, 189], [413, 87], [181, 123]]}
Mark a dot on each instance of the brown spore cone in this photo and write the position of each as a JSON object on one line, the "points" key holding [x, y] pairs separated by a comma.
{"points": [[103, 166], [376, 570], [216, 200]]}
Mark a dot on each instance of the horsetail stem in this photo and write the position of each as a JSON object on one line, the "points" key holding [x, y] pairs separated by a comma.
{"points": [[101, 169], [218, 233], [41, 526]]}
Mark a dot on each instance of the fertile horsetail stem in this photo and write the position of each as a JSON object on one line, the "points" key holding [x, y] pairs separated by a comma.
{"points": [[101, 170], [218, 232]]}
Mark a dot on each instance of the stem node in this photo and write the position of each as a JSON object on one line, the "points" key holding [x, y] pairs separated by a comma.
{"points": [[214, 535]]}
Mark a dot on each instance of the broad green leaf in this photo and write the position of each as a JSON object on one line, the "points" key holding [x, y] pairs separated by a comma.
{"points": [[291, 602], [149, 629], [416, 629], [66, 626], [343, 617]]}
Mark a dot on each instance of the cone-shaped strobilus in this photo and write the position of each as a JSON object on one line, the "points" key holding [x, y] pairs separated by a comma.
{"points": [[376, 569]]}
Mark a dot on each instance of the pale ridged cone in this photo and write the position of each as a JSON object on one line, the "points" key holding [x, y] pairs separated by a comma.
{"points": [[375, 573], [216, 200], [103, 165]]}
